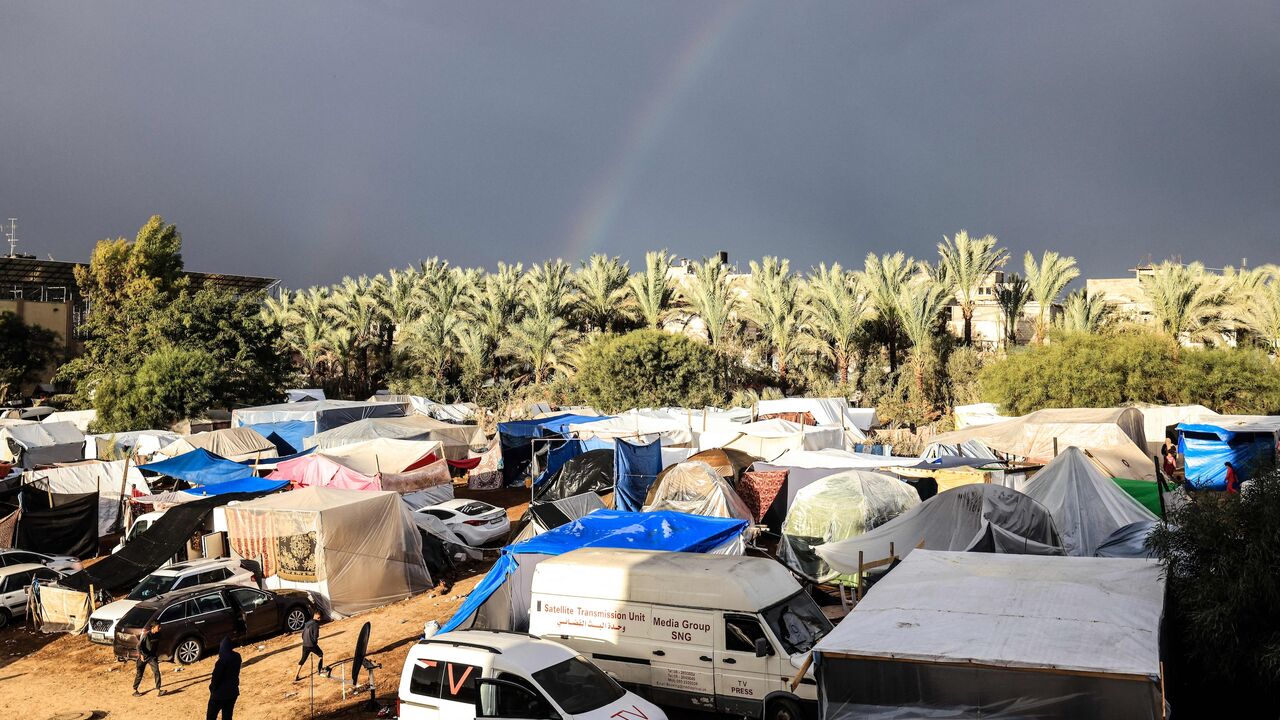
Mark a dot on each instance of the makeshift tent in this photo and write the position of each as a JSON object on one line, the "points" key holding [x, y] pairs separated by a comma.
{"points": [[304, 395], [1114, 436], [487, 475], [355, 550], [544, 516], [726, 462], [449, 412], [504, 591], [589, 472], [825, 411], [836, 508], [640, 426], [696, 489], [1085, 504], [323, 414], [458, 440], [82, 419], [321, 471], [32, 444], [517, 436], [199, 467], [371, 457], [1161, 421], [1248, 442], [973, 635], [1129, 541], [234, 444], [977, 414], [293, 433], [771, 438], [105, 479], [984, 518], [58, 524], [115, 446], [635, 468], [558, 453], [758, 489]]}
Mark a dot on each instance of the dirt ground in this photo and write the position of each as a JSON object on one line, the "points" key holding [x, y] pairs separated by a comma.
{"points": [[42, 676]]}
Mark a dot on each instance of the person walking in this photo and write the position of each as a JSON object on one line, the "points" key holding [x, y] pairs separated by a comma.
{"points": [[310, 644], [148, 656], [224, 684], [1233, 480]]}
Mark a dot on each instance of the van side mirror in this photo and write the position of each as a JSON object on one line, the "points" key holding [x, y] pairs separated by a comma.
{"points": [[763, 649]]}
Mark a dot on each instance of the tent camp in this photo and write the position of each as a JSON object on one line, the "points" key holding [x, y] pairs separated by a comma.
{"points": [[975, 635], [458, 440], [289, 436], [460, 413], [591, 471], [323, 414], [29, 444], [207, 474], [695, 488], [82, 419], [726, 462], [640, 426], [825, 411], [1248, 442], [770, 438], [322, 471], [1114, 436], [544, 516], [1161, 421], [114, 446], [235, 444], [386, 455], [982, 518], [500, 600], [355, 550], [1086, 505], [106, 479], [836, 508], [517, 440]]}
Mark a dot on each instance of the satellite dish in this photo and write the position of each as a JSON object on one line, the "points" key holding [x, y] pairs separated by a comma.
{"points": [[362, 648]]}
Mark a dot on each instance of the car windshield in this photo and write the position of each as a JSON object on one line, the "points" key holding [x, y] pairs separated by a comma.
{"points": [[136, 617], [798, 623], [138, 529], [152, 586], [577, 686]]}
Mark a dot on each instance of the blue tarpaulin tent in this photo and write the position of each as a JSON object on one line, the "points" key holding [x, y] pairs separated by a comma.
{"points": [[1206, 447], [251, 484], [515, 437], [557, 457], [663, 530], [635, 467], [199, 467], [293, 432]]}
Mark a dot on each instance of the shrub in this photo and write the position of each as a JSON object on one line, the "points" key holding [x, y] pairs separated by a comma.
{"points": [[649, 368]]}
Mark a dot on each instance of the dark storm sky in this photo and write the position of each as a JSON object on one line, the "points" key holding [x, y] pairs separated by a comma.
{"points": [[310, 140]]}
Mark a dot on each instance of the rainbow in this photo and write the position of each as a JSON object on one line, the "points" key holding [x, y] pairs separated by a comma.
{"points": [[605, 196]]}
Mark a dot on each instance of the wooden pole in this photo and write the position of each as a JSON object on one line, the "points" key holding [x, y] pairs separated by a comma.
{"points": [[124, 493], [795, 681], [1055, 447]]}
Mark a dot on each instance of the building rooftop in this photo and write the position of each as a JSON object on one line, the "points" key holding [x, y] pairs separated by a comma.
{"points": [[26, 272]]}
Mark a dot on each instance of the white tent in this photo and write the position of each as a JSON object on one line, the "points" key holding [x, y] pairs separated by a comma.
{"points": [[355, 549], [694, 488], [1157, 419], [32, 444], [92, 476], [825, 411], [144, 443], [641, 427], [977, 414], [770, 438], [1086, 505], [458, 440], [239, 444], [80, 418], [384, 455], [326, 414], [841, 459], [969, 635], [304, 395], [448, 412]]}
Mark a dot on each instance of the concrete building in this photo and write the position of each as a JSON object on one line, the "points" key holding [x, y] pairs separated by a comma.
{"points": [[1125, 293], [987, 324]]}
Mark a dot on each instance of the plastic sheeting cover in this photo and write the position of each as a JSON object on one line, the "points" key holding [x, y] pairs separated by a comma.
{"points": [[234, 444], [1086, 505], [199, 467], [589, 472], [103, 478], [1129, 541], [635, 467], [694, 488], [457, 439], [326, 414]]}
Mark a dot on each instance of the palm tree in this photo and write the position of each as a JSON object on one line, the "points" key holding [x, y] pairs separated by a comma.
{"points": [[1254, 302], [1047, 280], [651, 291], [432, 333], [883, 278], [1187, 302], [539, 342], [1083, 312], [967, 263], [355, 307], [834, 309], [1012, 296], [709, 295], [550, 289], [493, 305], [919, 304], [602, 291], [773, 308]]}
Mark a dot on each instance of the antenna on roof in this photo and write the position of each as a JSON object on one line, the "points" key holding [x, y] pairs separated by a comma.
{"points": [[12, 236]]}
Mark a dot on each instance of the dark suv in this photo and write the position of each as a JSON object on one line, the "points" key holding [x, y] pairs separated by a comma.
{"points": [[196, 620]]}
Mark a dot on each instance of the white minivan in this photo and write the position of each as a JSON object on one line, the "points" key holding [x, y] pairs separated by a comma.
{"points": [[513, 676], [723, 633]]}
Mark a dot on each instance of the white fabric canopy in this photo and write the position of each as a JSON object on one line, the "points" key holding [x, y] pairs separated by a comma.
{"points": [[240, 444], [977, 414], [1086, 505], [837, 459], [640, 426], [383, 455], [30, 443], [825, 411], [771, 438], [80, 418]]}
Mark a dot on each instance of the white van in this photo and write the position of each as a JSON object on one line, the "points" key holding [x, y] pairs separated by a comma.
{"points": [[496, 674], [710, 632]]}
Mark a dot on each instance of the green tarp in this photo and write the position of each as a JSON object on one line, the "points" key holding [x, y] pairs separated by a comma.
{"points": [[1144, 491]]}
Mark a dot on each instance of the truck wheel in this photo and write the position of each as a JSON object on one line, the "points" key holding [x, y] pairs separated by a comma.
{"points": [[188, 651], [783, 709], [295, 619]]}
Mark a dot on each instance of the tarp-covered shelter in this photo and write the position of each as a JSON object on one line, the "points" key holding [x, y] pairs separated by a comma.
{"points": [[982, 518], [82, 419], [1086, 505], [289, 436], [449, 412], [304, 395], [322, 414], [726, 462], [1161, 421], [635, 469], [516, 438], [975, 635], [640, 426], [30, 444], [770, 438], [199, 467], [1248, 442], [235, 444], [322, 471], [58, 524], [106, 479], [591, 471], [1114, 436], [825, 411], [386, 455], [115, 446], [977, 414], [458, 440], [501, 599], [355, 550], [836, 508], [696, 489], [544, 516]]}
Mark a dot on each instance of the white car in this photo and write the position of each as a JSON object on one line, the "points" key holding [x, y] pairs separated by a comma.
{"points": [[494, 674], [15, 586], [62, 563], [477, 523], [219, 571]]}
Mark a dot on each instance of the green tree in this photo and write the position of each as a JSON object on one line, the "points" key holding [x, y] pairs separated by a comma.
{"points": [[835, 308], [710, 295], [651, 290], [1231, 381], [1046, 280], [601, 283], [648, 368], [966, 263], [171, 384], [773, 308], [1012, 296], [1086, 313], [883, 278], [24, 352], [1187, 302], [919, 304], [1260, 307]]}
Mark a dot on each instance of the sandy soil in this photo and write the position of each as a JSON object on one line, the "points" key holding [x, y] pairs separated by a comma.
{"points": [[45, 675]]}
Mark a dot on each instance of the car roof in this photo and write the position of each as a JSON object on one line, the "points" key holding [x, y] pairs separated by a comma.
{"points": [[168, 598], [5, 551], [21, 567], [195, 566], [517, 649]]}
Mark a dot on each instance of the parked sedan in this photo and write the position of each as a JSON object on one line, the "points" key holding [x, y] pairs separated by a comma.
{"points": [[15, 586], [62, 563], [195, 621], [477, 523]]}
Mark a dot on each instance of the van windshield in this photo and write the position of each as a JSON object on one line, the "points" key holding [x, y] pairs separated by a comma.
{"points": [[577, 686], [798, 623]]}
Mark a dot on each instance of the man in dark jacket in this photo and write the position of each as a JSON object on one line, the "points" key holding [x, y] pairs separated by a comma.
{"points": [[147, 656], [224, 685], [310, 644]]}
